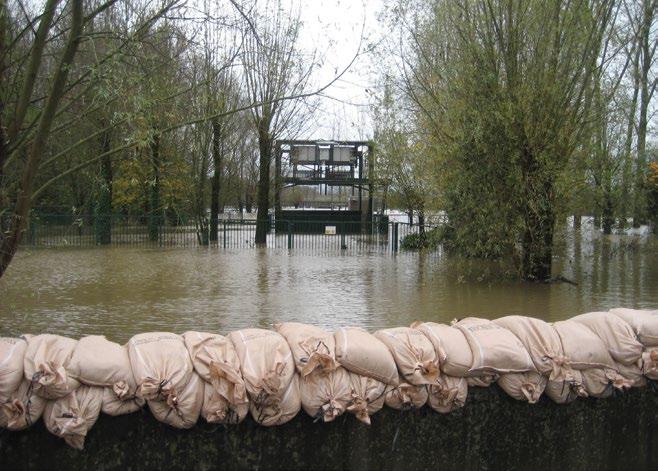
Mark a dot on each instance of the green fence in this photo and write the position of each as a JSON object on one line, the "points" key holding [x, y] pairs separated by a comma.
{"points": [[50, 230]]}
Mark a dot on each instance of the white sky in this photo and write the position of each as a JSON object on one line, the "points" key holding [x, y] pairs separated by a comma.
{"points": [[335, 28]]}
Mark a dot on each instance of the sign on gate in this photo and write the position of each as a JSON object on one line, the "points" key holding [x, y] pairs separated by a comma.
{"points": [[330, 230]]}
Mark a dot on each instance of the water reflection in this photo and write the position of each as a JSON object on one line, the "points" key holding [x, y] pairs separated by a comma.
{"points": [[122, 291]]}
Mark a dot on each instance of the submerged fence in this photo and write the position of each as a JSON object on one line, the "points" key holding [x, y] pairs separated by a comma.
{"points": [[182, 231]]}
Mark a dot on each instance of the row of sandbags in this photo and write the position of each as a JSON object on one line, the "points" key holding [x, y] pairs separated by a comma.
{"points": [[274, 373]]}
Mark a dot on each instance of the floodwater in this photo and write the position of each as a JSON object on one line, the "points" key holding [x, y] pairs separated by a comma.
{"points": [[122, 291]]}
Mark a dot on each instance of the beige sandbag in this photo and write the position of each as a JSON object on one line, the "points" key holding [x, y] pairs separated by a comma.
{"points": [[527, 386], [268, 370], [12, 352], [650, 363], [113, 405], [362, 353], [413, 353], [22, 408], [312, 347], [46, 364], [601, 382], [643, 322], [495, 349], [98, 362], [406, 396], [447, 394], [184, 411], [217, 410], [617, 335], [450, 345], [632, 374], [582, 346], [567, 389], [161, 365], [541, 341], [325, 396], [277, 411], [482, 380], [368, 396], [216, 361], [72, 416]]}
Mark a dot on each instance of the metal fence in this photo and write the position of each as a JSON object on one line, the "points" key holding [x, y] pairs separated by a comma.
{"points": [[181, 231]]}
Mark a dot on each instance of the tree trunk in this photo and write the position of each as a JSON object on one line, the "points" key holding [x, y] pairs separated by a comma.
{"points": [[155, 212], [249, 202], [421, 221], [577, 219], [18, 223], [410, 216], [639, 208], [263, 197], [539, 221], [215, 182], [104, 204]]}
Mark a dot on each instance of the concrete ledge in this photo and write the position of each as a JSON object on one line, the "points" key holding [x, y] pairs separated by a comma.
{"points": [[493, 431]]}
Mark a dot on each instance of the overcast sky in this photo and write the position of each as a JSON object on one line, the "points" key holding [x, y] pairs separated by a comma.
{"points": [[335, 28]]}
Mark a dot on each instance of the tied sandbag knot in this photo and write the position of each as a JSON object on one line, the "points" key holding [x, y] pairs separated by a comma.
{"points": [[48, 374], [17, 413], [319, 356], [531, 392], [428, 369], [72, 428], [234, 392], [359, 407], [446, 396], [329, 411], [403, 392], [561, 366], [121, 390]]}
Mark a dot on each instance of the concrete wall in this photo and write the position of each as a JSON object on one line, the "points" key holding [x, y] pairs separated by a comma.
{"points": [[491, 432]]}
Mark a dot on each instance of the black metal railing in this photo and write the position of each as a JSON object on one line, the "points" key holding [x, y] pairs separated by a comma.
{"points": [[51, 230]]}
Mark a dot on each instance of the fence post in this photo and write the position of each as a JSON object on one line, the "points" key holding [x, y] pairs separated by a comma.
{"points": [[224, 236], [289, 235], [395, 237], [343, 245]]}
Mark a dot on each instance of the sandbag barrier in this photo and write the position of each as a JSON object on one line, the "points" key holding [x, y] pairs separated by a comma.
{"points": [[272, 374]]}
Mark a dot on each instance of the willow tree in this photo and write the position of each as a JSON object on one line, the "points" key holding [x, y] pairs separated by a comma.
{"points": [[505, 87]]}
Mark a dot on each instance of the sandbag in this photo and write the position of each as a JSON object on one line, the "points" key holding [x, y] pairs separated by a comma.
{"points": [[72, 416], [541, 341], [313, 348], [582, 347], [46, 363], [184, 412], [160, 364], [325, 396], [650, 363], [368, 396], [447, 394], [22, 408], [268, 370], [217, 410], [277, 411], [98, 362], [601, 382], [114, 405], [362, 353], [617, 335], [413, 353], [528, 386], [406, 396], [12, 353], [214, 358], [567, 389], [450, 345], [495, 349], [482, 380], [643, 322], [633, 374]]}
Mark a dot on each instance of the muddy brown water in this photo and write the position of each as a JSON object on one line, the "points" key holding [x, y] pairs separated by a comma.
{"points": [[122, 291]]}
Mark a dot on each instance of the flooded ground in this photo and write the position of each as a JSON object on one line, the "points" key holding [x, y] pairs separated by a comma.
{"points": [[121, 291]]}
